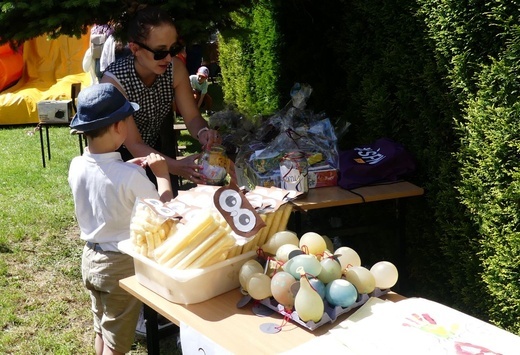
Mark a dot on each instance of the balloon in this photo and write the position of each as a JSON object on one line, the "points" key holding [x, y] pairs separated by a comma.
{"points": [[314, 243], [340, 292], [310, 264], [248, 268], [259, 286], [281, 283], [308, 303], [282, 254], [360, 277], [330, 270], [278, 239], [328, 242], [385, 273], [295, 252], [318, 286], [347, 257]]}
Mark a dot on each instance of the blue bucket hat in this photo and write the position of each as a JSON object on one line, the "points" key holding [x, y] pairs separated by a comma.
{"points": [[101, 105]]}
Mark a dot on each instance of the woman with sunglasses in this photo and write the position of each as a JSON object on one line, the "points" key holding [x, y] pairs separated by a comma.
{"points": [[153, 76]]}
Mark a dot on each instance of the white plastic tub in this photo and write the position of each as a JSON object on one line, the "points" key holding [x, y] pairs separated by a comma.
{"points": [[187, 286]]}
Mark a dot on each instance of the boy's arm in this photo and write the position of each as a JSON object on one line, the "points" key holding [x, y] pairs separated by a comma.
{"points": [[159, 167]]}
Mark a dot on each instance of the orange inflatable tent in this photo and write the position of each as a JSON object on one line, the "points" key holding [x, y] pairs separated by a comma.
{"points": [[49, 69], [11, 65]]}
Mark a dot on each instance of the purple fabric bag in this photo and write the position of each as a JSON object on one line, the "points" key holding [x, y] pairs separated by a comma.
{"points": [[381, 161]]}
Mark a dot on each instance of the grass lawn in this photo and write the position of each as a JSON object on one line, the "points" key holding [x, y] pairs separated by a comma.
{"points": [[44, 308]]}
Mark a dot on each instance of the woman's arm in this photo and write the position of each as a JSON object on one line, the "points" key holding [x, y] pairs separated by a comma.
{"points": [[186, 168]]}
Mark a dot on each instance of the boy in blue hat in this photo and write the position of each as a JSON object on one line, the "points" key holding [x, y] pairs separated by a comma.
{"points": [[105, 188]]}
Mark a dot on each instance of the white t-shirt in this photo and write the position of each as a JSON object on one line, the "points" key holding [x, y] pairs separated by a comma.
{"points": [[195, 85], [104, 189]]}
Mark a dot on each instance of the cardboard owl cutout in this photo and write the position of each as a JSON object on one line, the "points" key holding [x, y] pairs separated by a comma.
{"points": [[237, 211]]}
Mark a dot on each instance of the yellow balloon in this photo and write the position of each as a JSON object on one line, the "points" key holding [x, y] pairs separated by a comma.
{"points": [[249, 268], [314, 243], [361, 277], [278, 239], [308, 303], [259, 286], [328, 241]]}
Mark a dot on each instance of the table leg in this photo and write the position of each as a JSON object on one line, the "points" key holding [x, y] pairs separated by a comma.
{"points": [[48, 142], [152, 330], [402, 266], [42, 147]]}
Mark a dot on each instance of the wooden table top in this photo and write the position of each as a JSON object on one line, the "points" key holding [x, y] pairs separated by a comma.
{"points": [[235, 329], [179, 126], [334, 196]]}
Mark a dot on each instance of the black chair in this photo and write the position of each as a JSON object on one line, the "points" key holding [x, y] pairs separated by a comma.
{"points": [[44, 125], [74, 91]]}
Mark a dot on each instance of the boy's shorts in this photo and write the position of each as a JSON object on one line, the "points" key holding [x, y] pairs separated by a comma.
{"points": [[115, 310]]}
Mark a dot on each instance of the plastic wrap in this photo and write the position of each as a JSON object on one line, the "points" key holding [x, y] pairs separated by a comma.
{"points": [[290, 129]]}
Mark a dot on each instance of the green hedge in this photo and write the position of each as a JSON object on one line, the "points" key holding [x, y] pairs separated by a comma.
{"points": [[440, 77], [490, 184], [248, 59]]}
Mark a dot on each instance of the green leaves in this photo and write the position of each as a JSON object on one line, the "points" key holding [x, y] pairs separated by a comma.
{"points": [[23, 20]]}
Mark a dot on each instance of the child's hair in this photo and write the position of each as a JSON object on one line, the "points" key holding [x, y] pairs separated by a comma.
{"points": [[97, 132], [100, 131], [135, 24]]}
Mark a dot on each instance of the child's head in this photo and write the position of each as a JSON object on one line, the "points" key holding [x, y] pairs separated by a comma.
{"points": [[99, 107], [202, 74]]}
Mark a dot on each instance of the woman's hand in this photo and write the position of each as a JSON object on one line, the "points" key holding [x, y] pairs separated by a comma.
{"points": [[209, 137], [188, 168]]}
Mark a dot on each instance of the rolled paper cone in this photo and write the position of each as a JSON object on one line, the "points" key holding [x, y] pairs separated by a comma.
{"points": [[262, 238], [214, 251], [287, 209], [236, 250], [194, 243], [183, 236], [202, 248], [275, 223]]}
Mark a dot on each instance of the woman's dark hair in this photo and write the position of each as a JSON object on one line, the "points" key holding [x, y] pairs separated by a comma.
{"points": [[136, 23]]}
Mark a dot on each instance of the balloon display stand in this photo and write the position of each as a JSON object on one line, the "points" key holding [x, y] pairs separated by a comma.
{"points": [[330, 313]]}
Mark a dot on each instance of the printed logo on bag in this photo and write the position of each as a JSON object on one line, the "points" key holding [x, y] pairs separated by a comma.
{"points": [[369, 156]]}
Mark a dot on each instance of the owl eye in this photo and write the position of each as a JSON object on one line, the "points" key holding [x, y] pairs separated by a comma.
{"points": [[245, 220], [230, 200], [165, 211], [154, 202]]}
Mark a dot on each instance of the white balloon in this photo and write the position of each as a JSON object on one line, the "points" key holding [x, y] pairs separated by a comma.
{"points": [[347, 257], [385, 274], [282, 254]]}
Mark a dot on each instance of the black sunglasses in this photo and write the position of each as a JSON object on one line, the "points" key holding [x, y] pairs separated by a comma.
{"points": [[175, 49]]}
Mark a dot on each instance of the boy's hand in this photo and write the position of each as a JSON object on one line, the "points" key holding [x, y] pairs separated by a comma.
{"points": [[138, 161], [158, 165]]}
